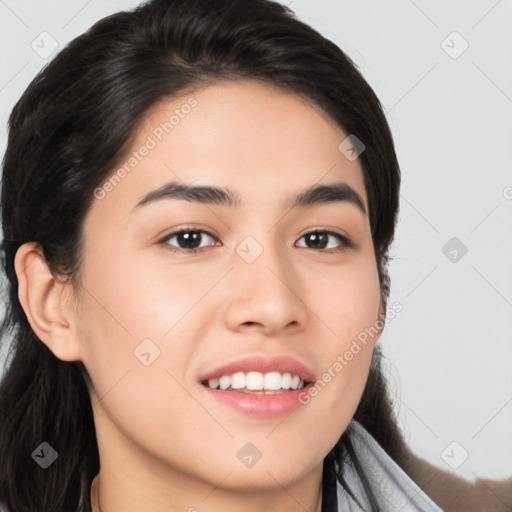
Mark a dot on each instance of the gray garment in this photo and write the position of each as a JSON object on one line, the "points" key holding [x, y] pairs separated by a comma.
{"points": [[393, 488]]}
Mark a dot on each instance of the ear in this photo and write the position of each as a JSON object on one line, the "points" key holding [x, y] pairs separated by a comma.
{"points": [[46, 303], [380, 322]]}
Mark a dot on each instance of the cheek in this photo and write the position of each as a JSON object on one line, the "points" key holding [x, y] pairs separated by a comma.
{"points": [[347, 302], [139, 298], [124, 321], [141, 322], [349, 311]]}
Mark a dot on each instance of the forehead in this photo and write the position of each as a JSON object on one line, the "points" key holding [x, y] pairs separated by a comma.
{"points": [[248, 136]]}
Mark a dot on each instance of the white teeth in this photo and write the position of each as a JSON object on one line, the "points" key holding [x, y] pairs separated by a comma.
{"points": [[294, 384], [238, 380], [257, 381], [225, 382], [272, 381], [286, 380], [213, 383], [254, 381]]}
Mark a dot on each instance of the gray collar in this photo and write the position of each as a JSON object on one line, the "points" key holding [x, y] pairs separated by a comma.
{"points": [[392, 487]]}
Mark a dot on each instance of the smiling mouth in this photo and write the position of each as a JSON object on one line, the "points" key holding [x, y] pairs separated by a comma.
{"points": [[256, 382]]}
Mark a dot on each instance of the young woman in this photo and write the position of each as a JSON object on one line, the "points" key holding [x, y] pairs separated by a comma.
{"points": [[198, 199]]}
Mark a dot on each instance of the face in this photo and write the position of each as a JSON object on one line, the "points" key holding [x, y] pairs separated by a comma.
{"points": [[255, 291]]}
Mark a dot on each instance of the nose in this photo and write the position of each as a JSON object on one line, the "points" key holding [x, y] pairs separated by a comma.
{"points": [[265, 296]]}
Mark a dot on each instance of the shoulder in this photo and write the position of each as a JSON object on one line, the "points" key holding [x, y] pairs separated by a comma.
{"points": [[455, 494]]}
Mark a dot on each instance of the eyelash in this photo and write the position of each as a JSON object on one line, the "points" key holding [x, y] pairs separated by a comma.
{"points": [[346, 243]]}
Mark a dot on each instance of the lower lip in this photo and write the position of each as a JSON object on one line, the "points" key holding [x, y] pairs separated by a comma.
{"points": [[260, 405]]}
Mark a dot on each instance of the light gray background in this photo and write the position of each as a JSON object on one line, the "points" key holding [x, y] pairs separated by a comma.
{"points": [[450, 349]]}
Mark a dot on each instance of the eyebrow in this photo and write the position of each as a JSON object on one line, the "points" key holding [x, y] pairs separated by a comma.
{"points": [[205, 194]]}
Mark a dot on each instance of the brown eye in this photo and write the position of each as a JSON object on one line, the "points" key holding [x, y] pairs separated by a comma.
{"points": [[188, 240], [323, 241]]}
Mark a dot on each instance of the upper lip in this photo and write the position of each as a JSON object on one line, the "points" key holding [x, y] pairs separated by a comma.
{"points": [[263, 364]]}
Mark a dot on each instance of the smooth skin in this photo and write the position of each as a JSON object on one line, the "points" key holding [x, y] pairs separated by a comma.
{"points": [[164, 443]]}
